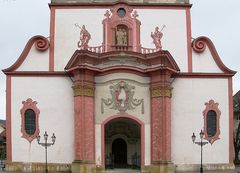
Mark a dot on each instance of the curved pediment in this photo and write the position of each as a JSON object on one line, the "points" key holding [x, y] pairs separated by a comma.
{"points": [[200, 44], [102, 62]]}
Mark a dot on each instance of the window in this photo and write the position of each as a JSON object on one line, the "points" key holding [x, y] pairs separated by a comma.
{"points": [[121, 12], [30, 121], [29, 115], [211, 121]]}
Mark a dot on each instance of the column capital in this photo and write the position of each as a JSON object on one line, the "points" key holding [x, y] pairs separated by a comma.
{"points": [[83, 90], [161, 91]]}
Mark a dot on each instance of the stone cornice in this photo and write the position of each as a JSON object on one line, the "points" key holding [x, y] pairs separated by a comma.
{"points": [[101, 62]]}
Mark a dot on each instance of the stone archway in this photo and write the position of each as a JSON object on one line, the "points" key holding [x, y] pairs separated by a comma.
{"points": [[123, 145]]}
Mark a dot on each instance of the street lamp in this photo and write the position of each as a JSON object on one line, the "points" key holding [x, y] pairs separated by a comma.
{"points": [[201, 143], [46, 144]]}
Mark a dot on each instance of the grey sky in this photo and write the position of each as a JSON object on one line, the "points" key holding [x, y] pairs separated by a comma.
{"points": [[22, 19]]}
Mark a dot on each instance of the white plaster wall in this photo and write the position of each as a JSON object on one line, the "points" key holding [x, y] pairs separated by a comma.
{"points": [[55, 101], [67, 35], [98, 144], [147, 144], [35, 61], [204, 62], [141, 91], [174, 34], [188, 103]]}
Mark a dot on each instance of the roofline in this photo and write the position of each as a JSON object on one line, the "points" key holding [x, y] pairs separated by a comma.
{"points": [[104, 4]]}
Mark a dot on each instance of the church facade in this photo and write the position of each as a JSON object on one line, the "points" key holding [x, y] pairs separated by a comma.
{"points": [[121, 84]]}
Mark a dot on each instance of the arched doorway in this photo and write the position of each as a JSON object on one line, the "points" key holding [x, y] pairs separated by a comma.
{"points": [[119, 151], [122, 143]]}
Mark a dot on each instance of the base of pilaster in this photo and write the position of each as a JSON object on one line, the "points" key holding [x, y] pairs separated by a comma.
{"points": [[159, 167], [83, 167]]}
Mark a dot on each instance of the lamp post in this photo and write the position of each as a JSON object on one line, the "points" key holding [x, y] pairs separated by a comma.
{"points": [[46, 144], [201, 144]]}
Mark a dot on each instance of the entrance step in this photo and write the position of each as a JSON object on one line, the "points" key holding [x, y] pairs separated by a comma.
{"points": [[123, 171]]}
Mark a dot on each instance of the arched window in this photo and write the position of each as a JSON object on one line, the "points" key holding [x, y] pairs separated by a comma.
{"points": [[211, 116], [211, 123], [30, 121], [29, 114]]}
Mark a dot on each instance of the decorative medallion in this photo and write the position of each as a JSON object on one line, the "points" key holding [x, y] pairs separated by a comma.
{"points": [[122, 98]]}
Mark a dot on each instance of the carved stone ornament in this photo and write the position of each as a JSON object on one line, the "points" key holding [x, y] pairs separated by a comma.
{"points": [[85, 90], [211, 106], [161, 91], [29, 104], [122, 98]]}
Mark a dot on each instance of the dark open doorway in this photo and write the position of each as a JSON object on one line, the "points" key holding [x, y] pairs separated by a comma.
{"points": [[119, 151]]}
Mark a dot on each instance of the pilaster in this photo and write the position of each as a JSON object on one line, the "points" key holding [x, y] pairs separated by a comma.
{"points": [[83, 89], [161, 92]]}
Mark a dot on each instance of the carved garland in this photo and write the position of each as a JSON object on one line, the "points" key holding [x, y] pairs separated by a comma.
{"points": [[122, 98], [29, 104], [211, 106]]}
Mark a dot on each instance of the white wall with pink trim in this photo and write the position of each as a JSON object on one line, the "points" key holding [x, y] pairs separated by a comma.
{"points": [[35, 61], [204, 62], [67, 35], [174, 34], [188, 103], [57, 118]]}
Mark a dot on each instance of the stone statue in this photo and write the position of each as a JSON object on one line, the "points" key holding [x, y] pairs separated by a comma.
{"points": [[85, 36], [121, 37], [156, 36]]}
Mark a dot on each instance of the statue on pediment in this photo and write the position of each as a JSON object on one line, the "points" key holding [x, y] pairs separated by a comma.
{"points": [[157, 36], [85, 36]]}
